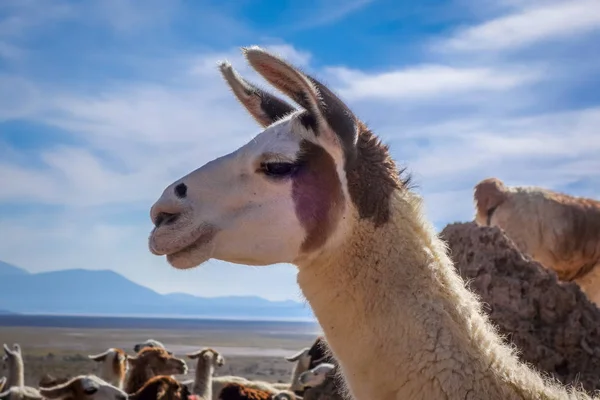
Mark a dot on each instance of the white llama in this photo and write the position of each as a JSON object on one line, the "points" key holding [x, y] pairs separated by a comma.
{"points": [[317, 189]]}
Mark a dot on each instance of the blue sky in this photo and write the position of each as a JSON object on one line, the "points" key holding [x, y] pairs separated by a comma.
{"points": [[103, 103]]}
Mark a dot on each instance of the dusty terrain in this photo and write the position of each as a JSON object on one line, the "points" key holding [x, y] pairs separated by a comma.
{"points": [[552, 323], [64, 351]]}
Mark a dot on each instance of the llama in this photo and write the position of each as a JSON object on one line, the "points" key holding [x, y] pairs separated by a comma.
{"points": [[319, 353], [13, 361], [161, 387], [148, 343], [305, 359], [559, 231], [149, 362], [208, 386], [302, 359], [316, 375], [113, 366], [207, 360], [396, 315], [83, 387]]}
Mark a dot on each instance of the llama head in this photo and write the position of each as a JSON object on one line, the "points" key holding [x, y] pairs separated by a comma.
{"points": [[148, 343], [159, 361], [83, 387], [488, 195], [11, 355], [316, 376], [114, 360], [289, 194], [207, 356]]}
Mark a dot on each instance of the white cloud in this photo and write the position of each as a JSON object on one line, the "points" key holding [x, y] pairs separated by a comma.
{"points": [[18, 97], [548, 20], [553, 150], [427, 81], [330, 11], [20, 16]]}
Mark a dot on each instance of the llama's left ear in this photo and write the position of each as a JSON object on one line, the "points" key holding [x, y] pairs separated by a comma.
{"points": [[263, 106], [330, 114]]}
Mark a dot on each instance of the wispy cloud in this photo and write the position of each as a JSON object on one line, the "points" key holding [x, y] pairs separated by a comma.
{"points": [[537, 22], [427, 81], [327, 12]]}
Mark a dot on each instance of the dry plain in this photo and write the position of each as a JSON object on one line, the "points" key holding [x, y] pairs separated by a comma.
{"points": [[254, 351]]}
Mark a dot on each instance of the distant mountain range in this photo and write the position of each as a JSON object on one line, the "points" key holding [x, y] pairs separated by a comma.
{"points": [[105, 292]]}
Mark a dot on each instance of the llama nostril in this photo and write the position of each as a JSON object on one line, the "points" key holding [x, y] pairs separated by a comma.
{"points": [[181, 190], [163, 218]]}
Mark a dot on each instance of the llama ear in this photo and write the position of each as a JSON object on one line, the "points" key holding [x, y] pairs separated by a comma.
{"points": [[297, 356], [6, 349], [194, 355], [264, 107], [99, 357], [330, 114], [59, 391]]}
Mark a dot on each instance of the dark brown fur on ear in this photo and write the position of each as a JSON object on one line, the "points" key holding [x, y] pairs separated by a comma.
{"points": [[263, 106], [320, 102], [488, 194]]}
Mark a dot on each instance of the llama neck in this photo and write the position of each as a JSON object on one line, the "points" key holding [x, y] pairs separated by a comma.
{"points": [[400, 321], [113, 374], [139, 374], [203, 379], [16, 372]]}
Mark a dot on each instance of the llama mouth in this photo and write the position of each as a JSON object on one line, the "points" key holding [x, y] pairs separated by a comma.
{"points": [[199, 238], [193, 254]]}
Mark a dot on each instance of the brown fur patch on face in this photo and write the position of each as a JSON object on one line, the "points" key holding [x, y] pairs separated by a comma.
{"points": [[317, 194], [373, 177]]}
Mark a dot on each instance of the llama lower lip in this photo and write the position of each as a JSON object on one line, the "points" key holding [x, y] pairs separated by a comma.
{"points": [[183, 258], [200, 235]]}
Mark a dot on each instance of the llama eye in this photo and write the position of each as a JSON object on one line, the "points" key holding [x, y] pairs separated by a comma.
{"points": [[279, 169]]}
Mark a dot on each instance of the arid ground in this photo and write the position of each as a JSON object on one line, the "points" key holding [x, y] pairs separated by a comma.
{"points": [[63, 351]]}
